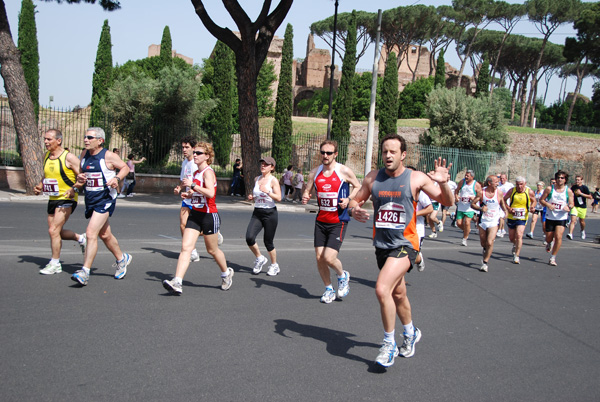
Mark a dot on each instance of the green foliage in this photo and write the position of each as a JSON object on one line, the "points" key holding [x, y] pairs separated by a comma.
{"points": [[166, 47], [317, 105], [30, 57], [282, 127], [388, 107], [102, 81], [154, 114], [362, 96], [483, 80], [440, 71], [461, 121], [266, 77], [583, 114], [412, 100], [503, 98], [151, 67]]}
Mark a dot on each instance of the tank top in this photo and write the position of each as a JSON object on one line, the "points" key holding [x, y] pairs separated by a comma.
{"points": [[188, 168], [493, 207], [394, 218], [262, 200], [58, 178], [538, 196], [329, 191], [520, 203], [97, 174], [198, 200], [465, 196], [558, 201]]}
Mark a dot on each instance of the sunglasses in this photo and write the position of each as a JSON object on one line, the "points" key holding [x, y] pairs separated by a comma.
{"points": [[198, 153], [560, 178], [90, 137], [328, 153]]}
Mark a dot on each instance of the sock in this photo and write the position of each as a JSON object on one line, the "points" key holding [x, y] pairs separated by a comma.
{"points": [[54, 261], [178, 280], [80, 239], [389, 336], [224, 274], [340, 277], [330, 287], [409, 329], [86, 270]]}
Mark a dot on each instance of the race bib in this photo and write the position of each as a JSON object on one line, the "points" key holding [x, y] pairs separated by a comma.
{"points": [[391, 216], [465, 199], [519, 213], [328, 201], [50, 187], [94, 181], [580, 200], [558, 206], [198, 200]]}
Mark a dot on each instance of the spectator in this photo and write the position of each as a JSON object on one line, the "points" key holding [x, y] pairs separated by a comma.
{"points": [[129, 182], [596, 196], [298, 184], [237, 181], [287, 182]]}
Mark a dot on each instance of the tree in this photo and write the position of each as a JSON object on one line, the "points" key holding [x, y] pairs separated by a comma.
{"points": [[412, 100], [440, 71], [250, 50], [166, 47], [282, 127], [264, 92], [342, 110], [483, 80], [388, 109], [102, 80], [30, 57]]}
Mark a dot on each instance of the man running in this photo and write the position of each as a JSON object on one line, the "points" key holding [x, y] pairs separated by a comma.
{"points": [[505, 186], [465, 194], [581, 194], [445, 209], [60, 175], [558, 200], [394, 191], [490, 202], [520, 202], [98, 167], [331, 183]]}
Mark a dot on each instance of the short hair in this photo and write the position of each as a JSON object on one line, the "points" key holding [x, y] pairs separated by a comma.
{"points": [[208, 150], [330, 142], [189, 140], [541, 183], [490, 179], [520, 179], [395, 137], [290, 167], [57, 133], [471, 172], [580, 176], [99, 132], [561, 172], [130, 156], [115, 149]]}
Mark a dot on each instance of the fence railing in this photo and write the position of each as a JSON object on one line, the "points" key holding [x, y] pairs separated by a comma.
{"points": [[561, 127]]}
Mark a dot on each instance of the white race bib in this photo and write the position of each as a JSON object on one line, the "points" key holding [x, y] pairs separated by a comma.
{"points": [[519, 213], [50, 187], [94, 181], [391, 216], [328, 201]]}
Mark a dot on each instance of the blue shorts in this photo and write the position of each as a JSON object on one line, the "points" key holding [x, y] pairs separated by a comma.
{"points": [[513, 223], [184, 205], [108, 206]]}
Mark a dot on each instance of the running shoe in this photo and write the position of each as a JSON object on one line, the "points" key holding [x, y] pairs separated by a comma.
{"points": [[220, 238], [408, 346], [328, 296], [81, 277], [84, 244], [226, 281], [569, 236], [51, 269], [516, 259], [173, 287], [514, 248], [194, 256], [552, 261], [121, 196], [343, 285], [122, 266], [259, 263], [464, 242], [432, 235], [387, 354], [440, 227], [548, 247], [583, 235], [529, 235], [421, 265], [484, 267], [273, 269]]}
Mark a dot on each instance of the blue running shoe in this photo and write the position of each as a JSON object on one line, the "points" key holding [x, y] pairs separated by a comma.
{"points": [[387, 354], [408, 346], [122, 266], [343, 285], [81, 277]]}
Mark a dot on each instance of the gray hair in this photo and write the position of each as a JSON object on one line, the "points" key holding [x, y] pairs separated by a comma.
{"points": [[57, 133], [99, 132], [520, 179]]}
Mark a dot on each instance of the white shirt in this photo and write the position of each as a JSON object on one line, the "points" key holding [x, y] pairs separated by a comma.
{"points": [[423, 202], [188, 168]]}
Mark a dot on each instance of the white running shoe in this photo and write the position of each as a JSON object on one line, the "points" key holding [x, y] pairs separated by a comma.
{"points": [[328, 296], [194, 257], [51, 269], [227, 281], [516, 259], [421, 265], [84, 244], [569, 236], [273, 269], [440, 227], [552, 261], [343, 285], [259, 263], [121, 196], [173, 287], [464, 242], [484, 267], [220, 238], [387, 354], [583, 235], [433, 235], [122, 266]]}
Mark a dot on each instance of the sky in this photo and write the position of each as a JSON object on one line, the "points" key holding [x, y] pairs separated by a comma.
{"points": [[68, 37]]}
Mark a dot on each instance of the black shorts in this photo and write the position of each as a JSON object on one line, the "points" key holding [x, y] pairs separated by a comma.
{"points": [[551, 225], [537, 212], [206, 223], [401, 252], [330, 234], [513, 223], [53, 204]]}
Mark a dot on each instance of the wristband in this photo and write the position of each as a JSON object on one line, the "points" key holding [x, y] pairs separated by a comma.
{"points": [[118, 179]]}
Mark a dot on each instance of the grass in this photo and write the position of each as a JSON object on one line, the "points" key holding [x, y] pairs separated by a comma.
{"points": [[561, 133]]}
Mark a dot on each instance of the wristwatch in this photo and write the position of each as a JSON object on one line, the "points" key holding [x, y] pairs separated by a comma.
{"points": [[118, 178]]}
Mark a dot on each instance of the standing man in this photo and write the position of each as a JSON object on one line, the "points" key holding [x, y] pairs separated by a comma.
{"points": [[520, 202], [558, 200], [394, 191], [581, 194], [98, 167], [505, 186], [60, 175], [331, 183], [465, 194], [490, 202]]}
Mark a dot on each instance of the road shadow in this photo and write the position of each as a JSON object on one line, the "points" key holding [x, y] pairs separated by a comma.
{"points": [[165, 253], [291, 288]]}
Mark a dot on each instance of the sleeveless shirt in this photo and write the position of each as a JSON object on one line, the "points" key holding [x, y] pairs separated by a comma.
{"points": [[329, 191], [97, 174], [465, 196], [558, 201], [199, 201], [262, 200], [58, 178], [493, 207]]}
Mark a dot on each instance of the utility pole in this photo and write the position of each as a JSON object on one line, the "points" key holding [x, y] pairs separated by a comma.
{"points": [[371, 125], [332, 68]]}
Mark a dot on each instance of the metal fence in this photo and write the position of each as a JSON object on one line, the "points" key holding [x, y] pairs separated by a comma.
{"points": [[561, 127]]}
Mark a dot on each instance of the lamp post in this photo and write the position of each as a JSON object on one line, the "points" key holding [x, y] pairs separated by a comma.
{"points": [[332, 68]]}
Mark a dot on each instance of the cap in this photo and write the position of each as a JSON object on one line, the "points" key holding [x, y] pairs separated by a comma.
{"points": [[268, 160]]}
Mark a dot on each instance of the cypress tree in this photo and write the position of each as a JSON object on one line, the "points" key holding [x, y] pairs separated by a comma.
{"points": [[342, 110], [483, 79], [30, 58], [388, 112], [282, 127], [219, 123], [440, 71], [166, 47], [102, 80]]}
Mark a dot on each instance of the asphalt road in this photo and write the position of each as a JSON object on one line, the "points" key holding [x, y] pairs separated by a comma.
{"points": [[525, 332]]}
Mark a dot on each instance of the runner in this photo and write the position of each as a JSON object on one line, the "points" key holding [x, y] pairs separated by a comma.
{"points": [[266, 191], [465, 193], [394, 191], [490, 202], [505, 186], [424, 209], [581, 194], [539, 208], [60, 175], [432, 220], [558, 200], [445, 209], [204, 218], [98, 167], [331, 183], [520, 202]]}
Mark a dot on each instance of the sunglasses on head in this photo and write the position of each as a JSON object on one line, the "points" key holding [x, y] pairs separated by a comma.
{"points": [[328, 153], [198, 153], [90, 137]]}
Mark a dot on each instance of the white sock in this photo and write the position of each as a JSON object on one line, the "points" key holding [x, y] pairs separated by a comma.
{"points": [[86, 270], [54, 261], [389, 336], [409, 329], [178, 280], [80, 239]]}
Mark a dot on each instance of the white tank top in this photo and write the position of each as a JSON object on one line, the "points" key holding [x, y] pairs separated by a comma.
{"points": [[465, 196], [558, 201], [493, 207], [262, 200]]}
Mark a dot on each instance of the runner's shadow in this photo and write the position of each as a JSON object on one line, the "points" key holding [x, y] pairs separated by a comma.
{"points": [[294, 289], [166, 253], [337, 343]]}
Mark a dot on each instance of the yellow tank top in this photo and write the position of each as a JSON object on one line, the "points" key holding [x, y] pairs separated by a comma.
{"points": [[520, 202], [58, 178]]}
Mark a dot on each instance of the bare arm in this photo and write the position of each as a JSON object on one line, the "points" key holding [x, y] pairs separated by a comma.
{"points": [[209, 181], [363, 194], [475, 202], [113, 161], [425, 211], [442, 192], [533, 201], [309, 187]]}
